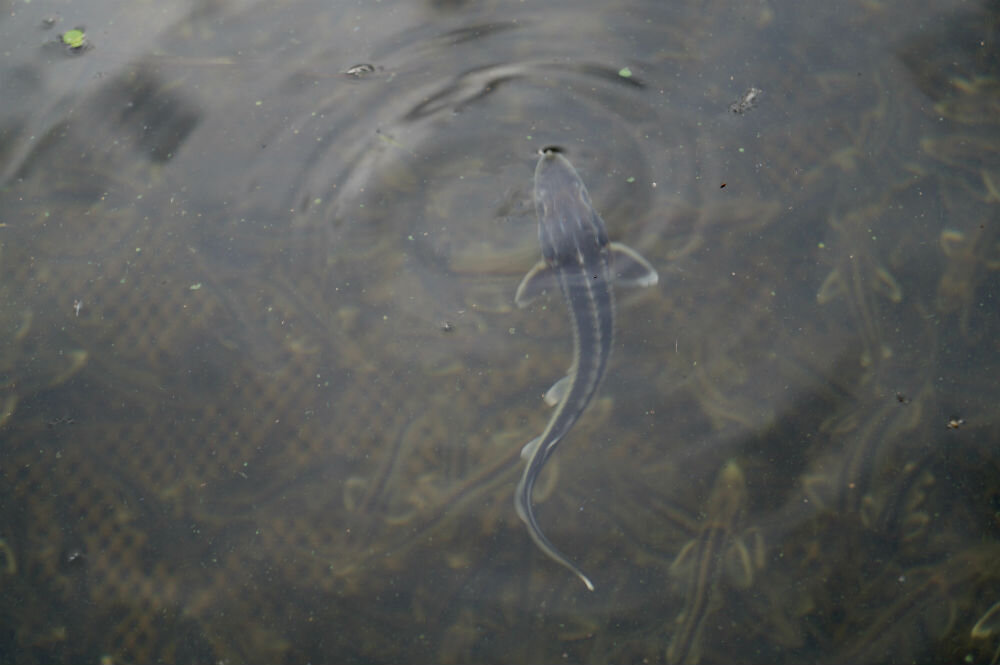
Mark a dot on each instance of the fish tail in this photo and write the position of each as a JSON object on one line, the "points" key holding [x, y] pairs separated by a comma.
{"points": [[525, 510]]}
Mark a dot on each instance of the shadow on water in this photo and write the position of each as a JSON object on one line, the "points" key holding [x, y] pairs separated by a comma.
{"points": [[263, 387]]}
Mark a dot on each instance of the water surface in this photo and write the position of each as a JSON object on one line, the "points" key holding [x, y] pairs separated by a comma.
{"points": [[265, 388]]}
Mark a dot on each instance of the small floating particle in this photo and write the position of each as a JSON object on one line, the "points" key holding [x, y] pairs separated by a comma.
{"points": [[194, 287], [625, 72], [747, 101]]}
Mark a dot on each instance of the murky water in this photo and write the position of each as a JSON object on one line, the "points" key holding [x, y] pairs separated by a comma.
{"points": [[265, 387]]}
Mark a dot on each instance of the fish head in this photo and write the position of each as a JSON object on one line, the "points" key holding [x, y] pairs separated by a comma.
{"points": [[569, 229]]}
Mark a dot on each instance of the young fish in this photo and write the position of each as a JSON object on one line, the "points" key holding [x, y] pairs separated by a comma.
{"points": [[579, 261], [702, 561]]}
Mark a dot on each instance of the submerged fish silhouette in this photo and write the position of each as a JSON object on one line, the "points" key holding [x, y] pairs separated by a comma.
{"points": [[578, 259]]}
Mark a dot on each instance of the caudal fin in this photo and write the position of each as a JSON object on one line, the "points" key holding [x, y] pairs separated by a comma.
{"points": [[522, 503]]}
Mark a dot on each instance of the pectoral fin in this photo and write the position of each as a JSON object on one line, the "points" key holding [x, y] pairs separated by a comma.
{"points": [[738, 564], [540, 278], [683, 565], [530, 447], [628, 268], [558, 391]]}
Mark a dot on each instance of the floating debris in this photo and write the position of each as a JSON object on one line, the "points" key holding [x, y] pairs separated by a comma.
{"points": [[75, 40], [359, 71], [747, 101]]}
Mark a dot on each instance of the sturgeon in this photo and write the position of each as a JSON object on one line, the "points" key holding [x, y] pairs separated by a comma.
{"points": [[579, 261]]}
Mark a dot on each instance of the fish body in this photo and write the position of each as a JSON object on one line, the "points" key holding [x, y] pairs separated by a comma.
{"points": [[701, 563], [579, 261]]}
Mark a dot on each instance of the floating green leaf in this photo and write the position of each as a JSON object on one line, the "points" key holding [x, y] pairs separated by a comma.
{"points": [[75, 38]]}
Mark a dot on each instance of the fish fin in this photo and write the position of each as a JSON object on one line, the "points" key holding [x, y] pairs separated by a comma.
{"points": [[683, 565], [530, 447], [540, 278], [522, 503], [988, 624], [754, 538], [558, 391], [629, 268], [738, 564], [832, 287]]}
